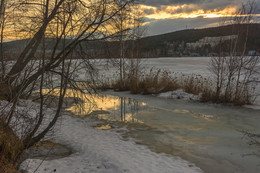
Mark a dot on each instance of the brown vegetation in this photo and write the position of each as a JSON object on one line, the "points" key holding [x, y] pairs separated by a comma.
{"points": [[153, 83], [159, 81], [10, 148]]}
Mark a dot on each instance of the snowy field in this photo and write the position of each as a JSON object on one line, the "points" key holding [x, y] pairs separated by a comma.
{"points": [[186, 65]]}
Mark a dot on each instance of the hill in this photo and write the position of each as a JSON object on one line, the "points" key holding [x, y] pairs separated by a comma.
{"points": [[159, 42], [169, 44]]}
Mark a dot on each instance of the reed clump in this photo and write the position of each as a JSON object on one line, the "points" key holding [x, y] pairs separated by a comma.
{"points": [[159, 81]]}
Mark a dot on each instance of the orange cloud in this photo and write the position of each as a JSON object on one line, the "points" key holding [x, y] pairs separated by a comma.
{"points": [[188, 11]]}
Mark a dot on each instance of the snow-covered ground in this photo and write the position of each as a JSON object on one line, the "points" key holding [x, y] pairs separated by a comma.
{"points": [[179, 94], [186, 65], [104, 151], [94, 151]]}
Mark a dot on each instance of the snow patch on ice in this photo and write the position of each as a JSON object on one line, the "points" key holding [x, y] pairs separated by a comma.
{"points": [[179, 94]]}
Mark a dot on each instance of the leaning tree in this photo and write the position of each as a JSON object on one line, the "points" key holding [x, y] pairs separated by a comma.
{"points": [[55, 31]]}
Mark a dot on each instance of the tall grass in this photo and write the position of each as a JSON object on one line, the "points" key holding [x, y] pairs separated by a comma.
{"points": [[152, 83], [159, 81]]}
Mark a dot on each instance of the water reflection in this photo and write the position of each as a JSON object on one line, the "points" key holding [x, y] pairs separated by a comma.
{"points": [[181, 111], [103, 127], [106, 107]]}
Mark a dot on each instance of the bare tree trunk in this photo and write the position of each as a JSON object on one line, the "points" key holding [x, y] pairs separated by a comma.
{"points": [[28, 140], [2, 26]]}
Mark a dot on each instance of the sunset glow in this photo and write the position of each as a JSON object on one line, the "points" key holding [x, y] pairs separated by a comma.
{"points": [[181, 11]]}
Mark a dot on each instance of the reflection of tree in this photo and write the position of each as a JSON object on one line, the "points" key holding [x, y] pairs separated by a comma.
{"points": [[129, 109]]}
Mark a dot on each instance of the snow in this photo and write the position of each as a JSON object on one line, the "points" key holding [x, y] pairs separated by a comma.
{"points": [[255, 106], [99, 151], [179, 94], [104, 151], [185, 65], [25, 114]]}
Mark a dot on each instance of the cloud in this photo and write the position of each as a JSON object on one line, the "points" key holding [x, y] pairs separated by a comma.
{"points": [[171, 15], [186, 11], [158, 3], [204, 4], [169, 9], [170, 25]]}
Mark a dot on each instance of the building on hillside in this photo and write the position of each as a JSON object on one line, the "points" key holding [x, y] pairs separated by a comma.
{"points": [[212, 41]]}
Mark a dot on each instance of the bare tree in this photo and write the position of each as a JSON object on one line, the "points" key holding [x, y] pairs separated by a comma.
{"points": [[236, 72], [2, 26], [130, 29], [88, 19], [136, 52], [55, 29]]}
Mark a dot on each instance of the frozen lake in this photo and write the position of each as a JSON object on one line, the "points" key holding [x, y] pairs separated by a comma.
{"points": [[184, 65], [208, 135]]}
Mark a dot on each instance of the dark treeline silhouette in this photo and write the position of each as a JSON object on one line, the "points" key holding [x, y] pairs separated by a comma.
{"points": [[153, 46]]}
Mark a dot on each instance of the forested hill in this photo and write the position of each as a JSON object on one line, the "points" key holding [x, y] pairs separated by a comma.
{"points": [[193, 35], [170, 44]]}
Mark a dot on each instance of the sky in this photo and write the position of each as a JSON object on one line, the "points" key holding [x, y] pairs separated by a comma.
{"points": [[163, 16]]}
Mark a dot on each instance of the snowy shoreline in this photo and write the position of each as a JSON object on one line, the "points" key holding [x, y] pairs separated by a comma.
{"points": [[104, 151]]}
